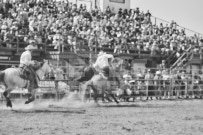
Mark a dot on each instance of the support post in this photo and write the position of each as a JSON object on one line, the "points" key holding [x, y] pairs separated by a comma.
{"points": [[57, 89]]}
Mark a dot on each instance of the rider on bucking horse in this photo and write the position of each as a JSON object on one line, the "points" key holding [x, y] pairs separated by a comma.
{"points": [[26, 64], [103, 63]]}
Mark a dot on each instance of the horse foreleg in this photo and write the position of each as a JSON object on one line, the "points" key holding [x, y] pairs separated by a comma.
{"points": [[32, 97], [84, 89], [106, 96], [95, 98], [114, 98], [6, 95]]}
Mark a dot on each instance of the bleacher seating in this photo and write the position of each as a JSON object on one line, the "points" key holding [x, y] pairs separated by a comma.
{"points": [[71, 28]]}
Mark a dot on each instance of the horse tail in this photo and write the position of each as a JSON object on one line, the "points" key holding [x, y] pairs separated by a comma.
{"points": [[2, 74]]}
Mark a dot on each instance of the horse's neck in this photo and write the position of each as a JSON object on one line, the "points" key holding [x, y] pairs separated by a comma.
{"points": [[40, 73]]}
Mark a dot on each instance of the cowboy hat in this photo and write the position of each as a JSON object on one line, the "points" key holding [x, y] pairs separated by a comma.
{"points": [[30, 47]]}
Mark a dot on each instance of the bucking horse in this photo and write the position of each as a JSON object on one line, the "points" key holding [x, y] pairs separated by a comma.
{"points": [[101, 84], [11, 78]]}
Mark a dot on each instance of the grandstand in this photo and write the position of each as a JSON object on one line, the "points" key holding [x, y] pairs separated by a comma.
{"points": [[71, 33]]}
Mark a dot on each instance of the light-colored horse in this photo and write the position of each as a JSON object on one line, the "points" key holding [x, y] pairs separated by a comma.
{"points": [[11, 79], [102, 86]]}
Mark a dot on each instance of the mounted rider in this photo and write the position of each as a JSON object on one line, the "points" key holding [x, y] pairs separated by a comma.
{"points": [[103, 63], [27, 64]]}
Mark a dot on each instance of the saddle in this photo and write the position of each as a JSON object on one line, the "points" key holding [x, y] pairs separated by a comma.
{"points": [[24, 73]]}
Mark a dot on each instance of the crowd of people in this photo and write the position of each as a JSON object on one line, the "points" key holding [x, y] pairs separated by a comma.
{"points": [[164, 84], [70, 27], [66, 26]]}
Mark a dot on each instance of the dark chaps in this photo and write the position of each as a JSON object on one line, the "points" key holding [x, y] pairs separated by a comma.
{"points": [[28, 73]]}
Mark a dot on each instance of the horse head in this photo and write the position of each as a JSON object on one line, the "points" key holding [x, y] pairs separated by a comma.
{"points": [[117, 64], [43, 68]]}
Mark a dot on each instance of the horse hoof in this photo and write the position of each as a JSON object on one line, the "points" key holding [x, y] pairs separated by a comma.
{"points": [[9, 104], [27, 102]]}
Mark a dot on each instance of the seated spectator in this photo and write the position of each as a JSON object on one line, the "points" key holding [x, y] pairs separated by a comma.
{"points": [[57, 40], [72, 43], [10, 39], [162, 66], [117, 47], [127, 77], [38, 41], [4, 27], [49, 40], [32, 42], [104, 40]]}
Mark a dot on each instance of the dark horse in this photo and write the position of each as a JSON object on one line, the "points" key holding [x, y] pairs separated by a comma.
{"points": [[100, 84], [87, 73]]}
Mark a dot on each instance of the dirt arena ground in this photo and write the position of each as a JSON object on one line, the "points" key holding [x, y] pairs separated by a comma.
{"points": [[183, 117]]}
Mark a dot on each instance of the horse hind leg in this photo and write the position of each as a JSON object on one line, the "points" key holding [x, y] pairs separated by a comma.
{"points": [[30, 99], [6, 95]]}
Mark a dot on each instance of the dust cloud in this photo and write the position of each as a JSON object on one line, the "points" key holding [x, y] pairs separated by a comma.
{"points": [[70, 101]]}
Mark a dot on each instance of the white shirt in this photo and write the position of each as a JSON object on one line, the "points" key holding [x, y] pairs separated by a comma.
{"points": [[102, 61], [26, 58], [127, 77], [166, 77]]}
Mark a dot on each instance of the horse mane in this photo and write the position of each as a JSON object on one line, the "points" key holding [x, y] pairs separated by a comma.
{"points": [[117, 64], [37, 65], [41, 63]]}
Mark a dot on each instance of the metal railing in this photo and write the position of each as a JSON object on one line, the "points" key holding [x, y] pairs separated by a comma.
{"points": [[187, 30], [187, 86], [179, 60], [82, 48]]}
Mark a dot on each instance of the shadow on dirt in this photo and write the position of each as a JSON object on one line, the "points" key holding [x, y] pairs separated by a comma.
{"points": [[75, 111], [133, 106]]}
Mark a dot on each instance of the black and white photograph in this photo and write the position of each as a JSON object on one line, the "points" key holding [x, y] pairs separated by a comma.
{"points": [[101, 67]]}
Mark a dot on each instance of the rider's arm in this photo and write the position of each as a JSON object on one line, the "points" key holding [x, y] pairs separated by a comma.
{"points": [[96, 63], [28, 61], [31, 62], [110, 56]]}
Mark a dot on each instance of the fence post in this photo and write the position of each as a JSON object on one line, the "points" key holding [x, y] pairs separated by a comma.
{"points": [[171, 84], [57, 89], [147, 90], [192, 85], [186, 89], [17, 46]]}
